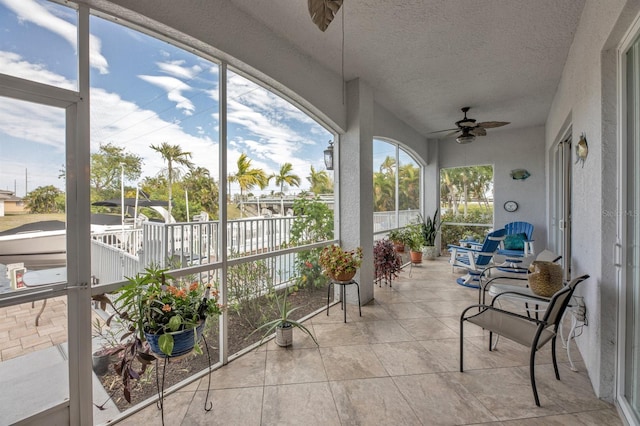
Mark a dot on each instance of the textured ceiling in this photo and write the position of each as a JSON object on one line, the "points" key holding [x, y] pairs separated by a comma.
{"points": [[426, 59]]}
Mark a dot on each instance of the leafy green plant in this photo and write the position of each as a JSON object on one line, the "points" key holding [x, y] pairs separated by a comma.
{"points": [[284, 319], [154, 302], [313, 223], [415, 237], [452, 234], [336, 261], [309, 269], [430, 228], [246, 282]]}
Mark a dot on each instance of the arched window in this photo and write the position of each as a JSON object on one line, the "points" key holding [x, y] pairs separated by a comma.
{"points": [[397, 186]]}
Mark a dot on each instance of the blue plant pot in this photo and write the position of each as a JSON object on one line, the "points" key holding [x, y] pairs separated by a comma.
{"points": [[183, 341]]}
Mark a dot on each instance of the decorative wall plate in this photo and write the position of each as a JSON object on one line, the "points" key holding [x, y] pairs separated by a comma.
{"points": [[582, 149]]}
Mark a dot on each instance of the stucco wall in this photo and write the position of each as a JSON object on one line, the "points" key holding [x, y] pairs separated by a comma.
{"points": [[388, 126], [586, 98], [507, 150]]}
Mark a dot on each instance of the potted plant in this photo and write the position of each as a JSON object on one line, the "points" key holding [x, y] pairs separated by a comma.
{"points": [[398, 237], [339, 264], [284, 325], [415, 241], [163, 317], [109, 345], [430, 228], [386, 260]]}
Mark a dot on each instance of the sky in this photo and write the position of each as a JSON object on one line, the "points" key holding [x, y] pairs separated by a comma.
{"points": [[143, 92]]}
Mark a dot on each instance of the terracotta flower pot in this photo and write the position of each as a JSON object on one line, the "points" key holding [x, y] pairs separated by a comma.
{"points": [[416, 257], [345, 276]]}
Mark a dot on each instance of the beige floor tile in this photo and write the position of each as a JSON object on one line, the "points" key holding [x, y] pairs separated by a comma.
{"points": [[427, 328], [371, 402], [384, 331], [372, 311], [176, 406], [351, 362], [406, 310], [338, 334], [247, 370], [445, 307], [506, 393], [403, 358], [294, 366], [607, 417], [573, 392], [299, 404], [387, 295], [242, 406], [451, 404]]}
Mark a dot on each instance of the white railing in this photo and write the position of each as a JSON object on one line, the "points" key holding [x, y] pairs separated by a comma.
{"points": [[384, 221], [111, 264], [178, 245]]}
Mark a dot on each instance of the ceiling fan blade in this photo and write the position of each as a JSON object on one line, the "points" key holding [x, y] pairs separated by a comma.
{"points": [[493, 124], [454, 133], [445, 130], [322, 12], [478, 131]]}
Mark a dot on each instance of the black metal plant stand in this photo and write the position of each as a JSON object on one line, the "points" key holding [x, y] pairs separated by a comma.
{"points": [[208, 405], [343, 295]]}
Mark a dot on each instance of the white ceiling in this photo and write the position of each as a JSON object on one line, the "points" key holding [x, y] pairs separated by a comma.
{"points": [[426, 59]]}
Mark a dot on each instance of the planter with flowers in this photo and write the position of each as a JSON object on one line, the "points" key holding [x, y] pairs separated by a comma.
{"points": [[339, 264], [164, 317]]}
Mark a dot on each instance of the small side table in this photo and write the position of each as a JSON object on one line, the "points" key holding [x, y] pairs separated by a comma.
{"points": [[343, 295], [44, 277]]}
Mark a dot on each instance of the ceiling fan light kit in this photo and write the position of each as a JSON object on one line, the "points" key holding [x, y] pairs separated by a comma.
{"points": [[467, 129], [465, 138]]}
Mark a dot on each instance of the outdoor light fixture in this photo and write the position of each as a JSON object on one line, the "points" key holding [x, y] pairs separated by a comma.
{"points": [[328, 156], [465, 137]]}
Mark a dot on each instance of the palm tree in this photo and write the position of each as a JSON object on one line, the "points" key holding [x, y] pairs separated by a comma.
{"points": [[248, 177], [409, 186], [384, 198], [320, 182], [173, 154], [285, 176]]}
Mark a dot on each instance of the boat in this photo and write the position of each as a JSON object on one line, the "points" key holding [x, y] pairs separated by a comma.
{"points": [[36, 245], [42, 244]]}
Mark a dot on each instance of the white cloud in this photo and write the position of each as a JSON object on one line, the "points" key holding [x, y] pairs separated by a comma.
{"points": [[174, 89], [31, 11], [125, 124], [13, 64], [176, 69]]}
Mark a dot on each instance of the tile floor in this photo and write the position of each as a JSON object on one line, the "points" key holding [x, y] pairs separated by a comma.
{"points": [[395, 365]]}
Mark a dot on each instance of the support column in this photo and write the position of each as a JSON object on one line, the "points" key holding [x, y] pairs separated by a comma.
{"points": [[355, 184]]}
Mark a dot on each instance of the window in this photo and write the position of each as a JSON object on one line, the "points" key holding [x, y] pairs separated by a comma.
{"points": [[466, 203], [396, 186]]}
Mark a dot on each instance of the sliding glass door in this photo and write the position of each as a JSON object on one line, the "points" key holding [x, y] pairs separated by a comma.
{"points": [[629, 357]]}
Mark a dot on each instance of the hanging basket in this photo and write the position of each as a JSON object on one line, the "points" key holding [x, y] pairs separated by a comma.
{"points": [[344, 276], [183, 341], [545, 278]]}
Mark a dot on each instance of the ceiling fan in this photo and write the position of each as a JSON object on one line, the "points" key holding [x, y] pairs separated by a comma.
{"points": [[467, 129]]}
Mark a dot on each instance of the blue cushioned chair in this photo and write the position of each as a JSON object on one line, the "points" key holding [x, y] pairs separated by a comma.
{"points": [[475, 260], [518, 242]]}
